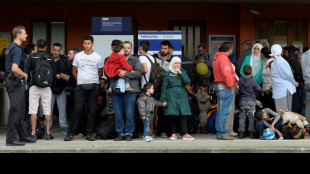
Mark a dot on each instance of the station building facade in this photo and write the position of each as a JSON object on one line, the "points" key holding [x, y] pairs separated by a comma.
{"points": [[69, 22]]}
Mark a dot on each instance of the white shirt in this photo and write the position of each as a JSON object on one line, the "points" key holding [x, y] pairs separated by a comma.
{"points": [[147, 75], [88, 66]]}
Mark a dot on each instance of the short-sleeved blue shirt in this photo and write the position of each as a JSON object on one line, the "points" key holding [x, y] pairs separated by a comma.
{"points": [[14, 54]]}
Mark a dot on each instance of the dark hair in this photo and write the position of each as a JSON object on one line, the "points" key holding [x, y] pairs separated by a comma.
{"points": [[225, 46], [285, 48], [247, 42], [202, 45], [147, 86], [89, 37], [127, 42], [305, 49], [41, 43], [205, 83], [117, 48], [266, 52], [145, 45], [75, 50], [30, 47], [258, 114], [57, 45], [247, 70], [166, 42]]}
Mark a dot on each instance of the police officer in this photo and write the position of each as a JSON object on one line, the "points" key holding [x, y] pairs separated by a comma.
{"points": [[15, 77]]}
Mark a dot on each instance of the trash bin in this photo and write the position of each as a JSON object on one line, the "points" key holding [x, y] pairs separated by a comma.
{"points": [[4, 105]]}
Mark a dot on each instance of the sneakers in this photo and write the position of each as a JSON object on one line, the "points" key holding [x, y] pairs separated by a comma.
{"points": [[129, 89], [128, 137], [65, 130], [148, 139], [225, 137], [119, 137], [173, 137], [163, 135], [48, 136], [241, 135], [188, 137], [233, 134]]}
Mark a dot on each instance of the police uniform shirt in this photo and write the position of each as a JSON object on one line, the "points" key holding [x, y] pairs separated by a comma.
{"points": [[14, 54]]}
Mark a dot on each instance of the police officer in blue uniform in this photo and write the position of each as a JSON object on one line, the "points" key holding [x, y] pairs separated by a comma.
{"points": [[15, 77]]}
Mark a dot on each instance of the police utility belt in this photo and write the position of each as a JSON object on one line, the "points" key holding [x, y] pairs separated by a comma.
{"points": [[17, 79]]}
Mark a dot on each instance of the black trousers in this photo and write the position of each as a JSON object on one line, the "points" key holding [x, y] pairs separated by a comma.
{"points": [[81, 97], [16, 126], [178, 122]]}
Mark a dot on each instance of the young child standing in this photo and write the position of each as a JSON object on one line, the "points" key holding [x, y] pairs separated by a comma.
{"points": [[146, 106], [248, 88], [204, 104], [116, 62], [266, 118]]}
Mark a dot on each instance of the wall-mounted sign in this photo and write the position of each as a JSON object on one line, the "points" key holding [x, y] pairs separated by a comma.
{"points": [[215, 42], [111, 26], [156, 37]]}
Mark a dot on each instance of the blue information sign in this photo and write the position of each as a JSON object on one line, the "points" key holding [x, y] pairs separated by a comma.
{"points": [[156, 37]]}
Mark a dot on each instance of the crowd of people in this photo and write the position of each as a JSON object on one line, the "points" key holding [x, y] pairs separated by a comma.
{"points": [[248, 93]]}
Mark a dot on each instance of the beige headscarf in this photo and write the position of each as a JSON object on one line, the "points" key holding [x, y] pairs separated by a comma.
{"points": [[173, 60], [255, 60]]}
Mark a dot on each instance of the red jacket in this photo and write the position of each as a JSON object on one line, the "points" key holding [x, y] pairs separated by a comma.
{"points": [[223, 70], [114, 63]]}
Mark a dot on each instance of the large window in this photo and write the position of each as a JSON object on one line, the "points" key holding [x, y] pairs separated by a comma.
{"points": [[193, 33], [51, 31], [283, 32]]}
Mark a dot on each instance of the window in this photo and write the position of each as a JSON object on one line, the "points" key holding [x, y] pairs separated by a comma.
{"points": [[193, 33], [51, 31], [283, 32]]}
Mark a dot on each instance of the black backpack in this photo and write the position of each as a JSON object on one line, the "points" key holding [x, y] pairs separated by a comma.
{"points": [[156, 75], [43, 72]]}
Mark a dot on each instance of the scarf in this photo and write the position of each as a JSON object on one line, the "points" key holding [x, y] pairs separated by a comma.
{"points": [[173, 60], [255, 60]]}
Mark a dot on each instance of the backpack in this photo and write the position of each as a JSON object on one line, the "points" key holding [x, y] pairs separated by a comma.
{"points": [[210, 126], [43, 72], [156, 75], [107, 130], [40, 129]]}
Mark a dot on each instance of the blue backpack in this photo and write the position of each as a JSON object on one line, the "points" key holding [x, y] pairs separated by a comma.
{"points": [[210, 127]]}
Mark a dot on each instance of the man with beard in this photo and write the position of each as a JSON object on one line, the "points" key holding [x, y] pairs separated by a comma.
{"points": [[164, 55]]}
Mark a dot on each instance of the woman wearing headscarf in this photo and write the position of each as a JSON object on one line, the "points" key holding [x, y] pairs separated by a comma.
{"points": [[255, 62], [174, 93], [283, 82]]}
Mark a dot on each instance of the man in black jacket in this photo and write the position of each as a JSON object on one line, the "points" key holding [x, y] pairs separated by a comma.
{"points": [[294, 62], [61, 71]]}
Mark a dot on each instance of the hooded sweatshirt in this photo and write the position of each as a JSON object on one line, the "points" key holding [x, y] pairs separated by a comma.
{"points": [[115, 63], [223, 70], [248, 88]]}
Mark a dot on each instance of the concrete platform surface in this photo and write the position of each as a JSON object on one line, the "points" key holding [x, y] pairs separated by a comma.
{"points": [[203, 143]]}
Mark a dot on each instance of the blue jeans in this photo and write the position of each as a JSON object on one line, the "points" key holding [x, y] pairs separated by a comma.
{"points": [[146, 124], [225, 98], [124, 103]]}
